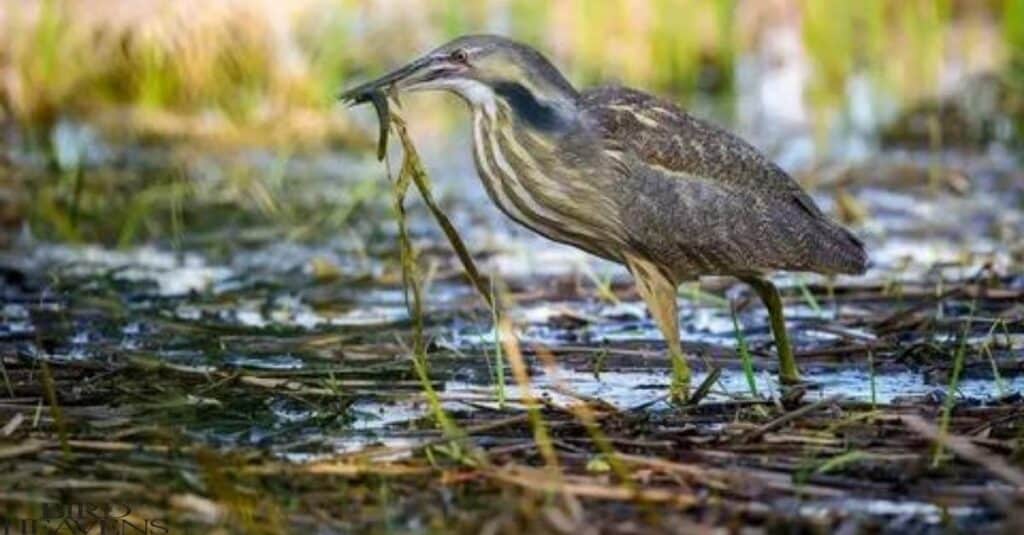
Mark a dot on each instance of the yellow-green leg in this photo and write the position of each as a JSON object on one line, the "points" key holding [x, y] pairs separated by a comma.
{"points": [[660, 295], [788, 372]]}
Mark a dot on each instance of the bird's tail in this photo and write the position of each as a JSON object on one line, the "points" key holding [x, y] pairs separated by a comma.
{"points": [[841, 251]]}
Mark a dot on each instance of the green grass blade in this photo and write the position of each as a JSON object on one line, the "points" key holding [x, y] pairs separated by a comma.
{"points": [[954, 381], [744, 351]]}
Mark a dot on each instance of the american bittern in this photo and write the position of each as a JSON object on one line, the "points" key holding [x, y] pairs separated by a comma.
{"points": [[631, 178]]}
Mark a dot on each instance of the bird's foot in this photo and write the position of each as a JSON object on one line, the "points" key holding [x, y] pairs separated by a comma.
{"points": [[793, 394], [799, 382], [791, 379]]}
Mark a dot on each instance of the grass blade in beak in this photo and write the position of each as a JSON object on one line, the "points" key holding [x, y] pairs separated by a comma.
{"points": [[412, 168]]}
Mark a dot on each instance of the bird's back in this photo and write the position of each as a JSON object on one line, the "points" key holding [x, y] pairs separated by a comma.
{"points": [[701, 200]]}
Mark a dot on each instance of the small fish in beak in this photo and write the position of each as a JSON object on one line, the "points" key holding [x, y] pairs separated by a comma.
{"points": [[377, 96], [380, 104], [378, 91], [443, 68]]}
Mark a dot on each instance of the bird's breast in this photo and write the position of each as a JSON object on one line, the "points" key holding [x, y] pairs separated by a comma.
{"points": [[526, 176]]}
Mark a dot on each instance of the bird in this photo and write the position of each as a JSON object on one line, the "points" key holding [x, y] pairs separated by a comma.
{"points": [[632, 178]]}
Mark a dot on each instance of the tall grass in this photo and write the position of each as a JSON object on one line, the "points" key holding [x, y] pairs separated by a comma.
{"points": [[744, 351], [986, 347], [954, 381], [248, 62], [50, 391], [1013, 38], [872, 379], [1013, 28], [899, 45], [252, 62], [499, 362], [7, 379]]}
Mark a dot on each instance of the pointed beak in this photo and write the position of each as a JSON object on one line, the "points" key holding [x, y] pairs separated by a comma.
{"points": [[422, 70]]}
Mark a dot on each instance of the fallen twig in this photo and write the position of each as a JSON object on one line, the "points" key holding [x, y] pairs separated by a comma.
{"points": [[541, 481], [788, 417]]}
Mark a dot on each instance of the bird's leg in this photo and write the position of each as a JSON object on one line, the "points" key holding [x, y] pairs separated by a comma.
{"points": [[659, 292], [788, 372]]}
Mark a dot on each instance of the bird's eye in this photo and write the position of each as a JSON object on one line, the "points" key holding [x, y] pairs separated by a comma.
{"points": [[459, 56]]}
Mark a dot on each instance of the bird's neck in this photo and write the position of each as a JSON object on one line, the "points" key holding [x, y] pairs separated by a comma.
{"points": [[545, 113], [522, 168]]}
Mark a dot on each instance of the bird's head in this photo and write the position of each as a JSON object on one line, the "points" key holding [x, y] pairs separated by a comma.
{"points": [[480, 69]]}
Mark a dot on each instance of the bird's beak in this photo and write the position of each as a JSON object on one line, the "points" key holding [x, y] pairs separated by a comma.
{"points": [[409, 77]]}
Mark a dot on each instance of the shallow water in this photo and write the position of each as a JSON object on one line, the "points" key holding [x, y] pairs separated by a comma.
{"points": [[261, 322], [388, 423]]}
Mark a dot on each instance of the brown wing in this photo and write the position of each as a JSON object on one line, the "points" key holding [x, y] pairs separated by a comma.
{"points": [[746, 212], [663, 135]]}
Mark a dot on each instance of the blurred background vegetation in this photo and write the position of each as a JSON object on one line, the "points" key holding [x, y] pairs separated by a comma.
{"points": [[198, 67], [225, 74]]}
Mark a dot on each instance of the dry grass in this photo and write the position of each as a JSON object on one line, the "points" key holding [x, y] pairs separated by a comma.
{"points": [[223, 64], [263, 70]]}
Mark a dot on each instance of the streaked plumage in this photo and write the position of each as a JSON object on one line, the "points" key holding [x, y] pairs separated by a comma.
{"points": [[752, 217], [630, 177]]}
